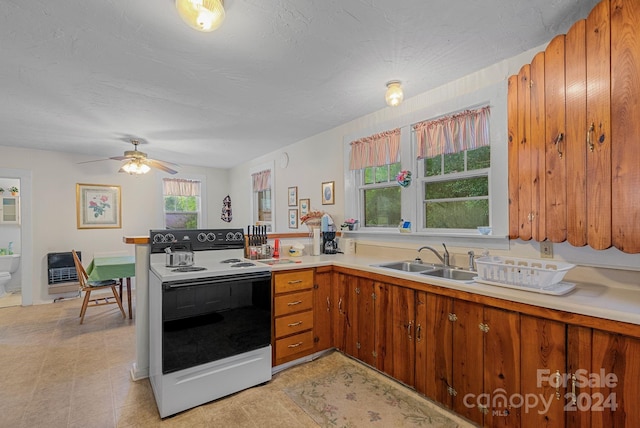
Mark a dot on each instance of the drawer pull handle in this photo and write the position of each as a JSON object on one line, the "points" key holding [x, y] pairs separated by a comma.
{"points": [[297, 302], [294, 345], [295, 281], [294, 324]]}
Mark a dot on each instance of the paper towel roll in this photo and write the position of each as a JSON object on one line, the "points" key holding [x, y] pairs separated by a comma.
{"points": [[315, 249]]}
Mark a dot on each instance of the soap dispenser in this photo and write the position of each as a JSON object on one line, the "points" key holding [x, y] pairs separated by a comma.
{"points": [[10, 248]]}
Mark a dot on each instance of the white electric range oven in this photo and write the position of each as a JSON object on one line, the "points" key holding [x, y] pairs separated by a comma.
{"points": [[209, 323]]}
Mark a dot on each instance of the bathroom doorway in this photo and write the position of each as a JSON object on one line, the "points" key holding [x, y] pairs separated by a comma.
{"points": [[15, 234]]}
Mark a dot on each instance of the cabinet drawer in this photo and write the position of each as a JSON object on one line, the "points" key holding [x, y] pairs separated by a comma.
{"points": [[294, 344], [292, 281], [294, 302], [294, 323]]}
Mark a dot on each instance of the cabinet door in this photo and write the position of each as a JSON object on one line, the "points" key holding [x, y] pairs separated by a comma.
{"points": [[502, 365], [421, 348], [525, 174], [343, 335], [625, 126], [439, 354], [543, 359], [401, 341], [536, 148], [468, 359], [574, 139], [366, 328], [322, 307], [614, 401], [555, 178], [598, 43], [579, 345], [10, 210], [513, 147]]}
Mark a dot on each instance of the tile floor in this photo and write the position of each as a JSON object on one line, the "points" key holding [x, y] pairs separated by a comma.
{"points": [[57, 373]]}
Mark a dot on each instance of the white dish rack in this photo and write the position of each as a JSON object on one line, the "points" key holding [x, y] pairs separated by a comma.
{"points": [[525, 274]]}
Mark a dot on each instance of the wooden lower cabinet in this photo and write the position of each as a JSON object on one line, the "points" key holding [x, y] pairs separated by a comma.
{"points": [[322, 309]]}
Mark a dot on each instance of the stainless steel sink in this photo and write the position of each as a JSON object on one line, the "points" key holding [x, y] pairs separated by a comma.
{"points": [[451, 273], [409, 266]]}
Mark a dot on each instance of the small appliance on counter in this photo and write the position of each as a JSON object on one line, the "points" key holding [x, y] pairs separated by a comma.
{"points": [[329, 243]]}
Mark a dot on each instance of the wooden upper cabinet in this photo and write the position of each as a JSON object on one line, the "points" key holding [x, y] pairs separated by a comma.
{"points": [[625, 130], [598, 44], [556, 172], [574, 138]]}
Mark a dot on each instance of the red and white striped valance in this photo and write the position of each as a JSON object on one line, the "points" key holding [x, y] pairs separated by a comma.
{"points": [[261, 180], [375, 150], [467, 130]]}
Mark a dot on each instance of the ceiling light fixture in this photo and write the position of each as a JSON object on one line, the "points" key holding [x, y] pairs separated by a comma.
{"points": [[202, 15], [394, 95], [135, 166]]}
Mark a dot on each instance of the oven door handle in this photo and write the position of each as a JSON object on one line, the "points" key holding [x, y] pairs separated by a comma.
{"points": [[216, 280]]}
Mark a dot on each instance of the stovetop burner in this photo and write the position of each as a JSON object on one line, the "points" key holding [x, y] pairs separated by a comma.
{"points": [[243, 264], [231, 261], [189, 269]]}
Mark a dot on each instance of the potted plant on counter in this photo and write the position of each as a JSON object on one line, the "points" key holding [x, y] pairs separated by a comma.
{"points": [[13, 190], [1, 190]]}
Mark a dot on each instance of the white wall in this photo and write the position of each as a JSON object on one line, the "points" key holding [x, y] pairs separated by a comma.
{"points": [[52, 211]]}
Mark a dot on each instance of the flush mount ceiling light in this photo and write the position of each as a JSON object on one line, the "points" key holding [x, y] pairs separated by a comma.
{"points": [[394, 95], [135, 166], [202, 15]]}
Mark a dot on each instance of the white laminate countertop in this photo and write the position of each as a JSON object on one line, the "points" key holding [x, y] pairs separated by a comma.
{"points": [[595, 300]]}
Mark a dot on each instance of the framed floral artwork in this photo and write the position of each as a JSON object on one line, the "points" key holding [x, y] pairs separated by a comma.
{"points": [[305, 205], [98, 206], [293, 196], [328, 197], [293, 219]]}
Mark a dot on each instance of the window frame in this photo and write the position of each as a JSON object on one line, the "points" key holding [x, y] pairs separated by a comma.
{"points": [[202, 217], [253, 199], [362, 187]]}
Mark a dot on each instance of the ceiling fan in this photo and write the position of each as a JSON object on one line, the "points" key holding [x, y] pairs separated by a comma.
{"points": [[137, 162]]}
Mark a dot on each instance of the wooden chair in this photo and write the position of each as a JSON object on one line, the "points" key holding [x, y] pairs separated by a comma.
{"points": [[89, 286]]}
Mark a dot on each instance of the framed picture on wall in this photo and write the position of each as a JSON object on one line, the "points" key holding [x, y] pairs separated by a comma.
{"points": [[328, 197], [304, 207], [293, 219], [293, 196], [98, 206]]}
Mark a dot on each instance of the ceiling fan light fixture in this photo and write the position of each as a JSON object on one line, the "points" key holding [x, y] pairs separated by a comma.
{"points": [[135, 166], [394, 94], [201, 15]]}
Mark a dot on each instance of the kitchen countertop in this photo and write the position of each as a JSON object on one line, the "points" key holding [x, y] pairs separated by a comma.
{"points": [[596, 300]]}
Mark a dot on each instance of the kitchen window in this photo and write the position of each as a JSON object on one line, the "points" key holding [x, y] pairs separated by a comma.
{"points": [[380, 196], [455, 190], [262, 198], [182, 203]]}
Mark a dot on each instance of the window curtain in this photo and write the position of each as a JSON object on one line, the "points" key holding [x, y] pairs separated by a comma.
{"points": [[180, 187], [261, 180], [375, 150], [455, 133]]}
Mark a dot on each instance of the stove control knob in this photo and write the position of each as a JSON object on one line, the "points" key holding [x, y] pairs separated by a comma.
{"points": [[158, 238], [229, 237], [169, 238], [238, 236], [211, 236], [202, 237]]}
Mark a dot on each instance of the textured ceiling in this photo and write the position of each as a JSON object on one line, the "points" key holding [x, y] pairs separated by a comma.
{"points": [[85, 76]]}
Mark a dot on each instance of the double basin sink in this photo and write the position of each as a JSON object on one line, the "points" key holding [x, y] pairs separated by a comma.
{"points": [[430, 269]]}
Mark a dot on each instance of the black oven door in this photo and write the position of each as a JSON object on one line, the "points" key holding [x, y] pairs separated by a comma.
{"points": [[208, 319]]}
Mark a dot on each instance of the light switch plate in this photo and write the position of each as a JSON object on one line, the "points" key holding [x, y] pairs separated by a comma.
{"points": [[546, 250]]}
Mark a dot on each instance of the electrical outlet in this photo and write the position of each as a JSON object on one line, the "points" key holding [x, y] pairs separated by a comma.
{"points": [[546, 250]]}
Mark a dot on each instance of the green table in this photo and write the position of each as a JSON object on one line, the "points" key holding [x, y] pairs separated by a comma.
{"points": [[117, 267]]}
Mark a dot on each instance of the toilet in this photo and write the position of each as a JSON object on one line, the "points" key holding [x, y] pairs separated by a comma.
{"points": [[8, 265]]}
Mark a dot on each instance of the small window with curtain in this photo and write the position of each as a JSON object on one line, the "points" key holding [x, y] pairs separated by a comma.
{"points": [[455, 163], [182, 203], [375, 159], [262, 198]]}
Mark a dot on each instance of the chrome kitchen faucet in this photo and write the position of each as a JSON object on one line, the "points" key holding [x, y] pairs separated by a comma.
{"points": [[444, 259]]}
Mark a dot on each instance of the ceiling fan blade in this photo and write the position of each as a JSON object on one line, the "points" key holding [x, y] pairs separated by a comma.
{"points": [[119, 158], [161, 166], [95, 160]]}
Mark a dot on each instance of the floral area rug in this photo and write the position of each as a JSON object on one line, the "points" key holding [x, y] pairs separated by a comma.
{"points": [[351, 395]]}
